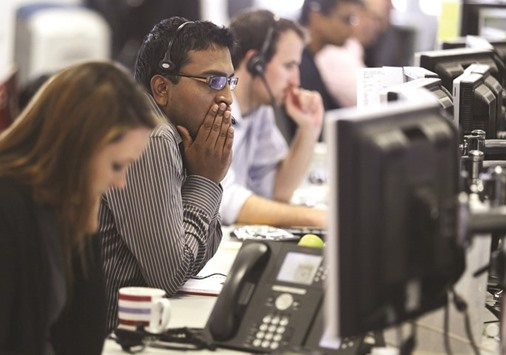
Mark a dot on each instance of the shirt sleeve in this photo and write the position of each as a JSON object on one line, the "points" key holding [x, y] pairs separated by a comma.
{"points": [[169, 222], [258, 150], [234, 197]]}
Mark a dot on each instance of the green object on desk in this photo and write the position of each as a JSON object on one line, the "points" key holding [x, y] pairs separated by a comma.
{"points": [[311, 240]]}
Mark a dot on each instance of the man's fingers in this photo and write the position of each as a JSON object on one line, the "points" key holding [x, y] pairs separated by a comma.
{"points": [[185, 135], [207, 125], [229, 140]]}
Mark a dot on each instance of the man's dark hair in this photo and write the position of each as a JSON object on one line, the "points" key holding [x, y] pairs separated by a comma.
{"points": [[323, 6], [250, 29], [199, 35]]}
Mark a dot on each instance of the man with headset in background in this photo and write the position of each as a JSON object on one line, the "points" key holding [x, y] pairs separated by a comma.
{"points": [[327, 22], [265, 172], [163, 228]]}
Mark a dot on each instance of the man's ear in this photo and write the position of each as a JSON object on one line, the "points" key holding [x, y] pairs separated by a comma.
{"points": [[160, 89], [246, 62]]}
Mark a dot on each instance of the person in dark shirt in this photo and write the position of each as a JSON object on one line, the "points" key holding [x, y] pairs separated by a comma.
{"points": [[74, 140], [326, 22]]}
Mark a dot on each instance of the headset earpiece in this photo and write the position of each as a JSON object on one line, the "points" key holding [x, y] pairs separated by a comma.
{"points": [[166, 64], [256, 64]]}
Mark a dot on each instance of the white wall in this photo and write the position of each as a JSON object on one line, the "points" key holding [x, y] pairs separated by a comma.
{"points": [[7, 22], [214, 11]]}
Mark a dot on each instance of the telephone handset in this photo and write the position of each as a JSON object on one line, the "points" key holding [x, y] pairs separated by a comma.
{"points": [[247, 270], [273, 300]]}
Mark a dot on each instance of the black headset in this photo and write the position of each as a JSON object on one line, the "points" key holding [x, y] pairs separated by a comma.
{"points": [[256, 64], [166, 64]]}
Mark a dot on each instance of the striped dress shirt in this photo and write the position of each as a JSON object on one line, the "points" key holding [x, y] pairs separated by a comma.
{"points": [[163, 227]]}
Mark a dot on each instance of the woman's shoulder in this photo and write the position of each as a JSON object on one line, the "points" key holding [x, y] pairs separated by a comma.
{"points": [[12, 194], [9, 185]]}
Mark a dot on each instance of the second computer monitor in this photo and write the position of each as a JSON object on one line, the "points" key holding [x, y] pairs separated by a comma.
{"points": [[434, 85], [451, 63]]}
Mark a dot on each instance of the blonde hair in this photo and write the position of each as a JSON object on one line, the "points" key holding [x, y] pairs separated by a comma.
{"points": [[49, 147]]}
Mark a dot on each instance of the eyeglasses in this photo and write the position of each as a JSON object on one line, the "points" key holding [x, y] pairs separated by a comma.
{"points": [[215, 82], [351, 20]]}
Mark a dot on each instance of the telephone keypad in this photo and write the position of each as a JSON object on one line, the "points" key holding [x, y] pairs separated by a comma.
{"points": [[271, 331]]}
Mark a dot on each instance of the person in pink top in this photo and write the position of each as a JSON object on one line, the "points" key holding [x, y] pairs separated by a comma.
{"points": [[339, 65]]}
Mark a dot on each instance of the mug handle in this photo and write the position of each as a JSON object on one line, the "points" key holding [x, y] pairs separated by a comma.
{"points": [[160, 316]]}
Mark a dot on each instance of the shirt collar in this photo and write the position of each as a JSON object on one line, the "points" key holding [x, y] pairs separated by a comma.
{"points": [[162, 117]]}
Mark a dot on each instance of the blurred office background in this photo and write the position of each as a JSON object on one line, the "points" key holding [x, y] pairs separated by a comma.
{"points": [[36, 39], [129, 20]]}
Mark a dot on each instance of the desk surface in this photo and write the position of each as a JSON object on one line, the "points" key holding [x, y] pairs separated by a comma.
{"points": [[194, 310], [187, 311]]}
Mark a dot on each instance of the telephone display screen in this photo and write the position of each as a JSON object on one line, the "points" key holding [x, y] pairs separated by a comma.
{"points": [[299, 268]]}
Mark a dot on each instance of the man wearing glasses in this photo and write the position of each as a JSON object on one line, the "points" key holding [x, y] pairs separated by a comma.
{"points": [[163, 228]]}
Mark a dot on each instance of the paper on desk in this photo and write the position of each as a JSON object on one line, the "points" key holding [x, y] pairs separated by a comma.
{"points": [[372, 81], [210, 286], [219, 264]]}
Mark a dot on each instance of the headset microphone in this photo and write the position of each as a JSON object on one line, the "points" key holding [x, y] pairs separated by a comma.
{"points": [[256, 64], [268, 87], [166, 64]]}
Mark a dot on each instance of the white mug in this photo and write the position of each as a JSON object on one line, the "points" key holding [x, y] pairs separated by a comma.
{"points": [[143, 306]]}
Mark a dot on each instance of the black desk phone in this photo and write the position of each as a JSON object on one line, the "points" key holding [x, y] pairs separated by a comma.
{"points": [[273, 300]]}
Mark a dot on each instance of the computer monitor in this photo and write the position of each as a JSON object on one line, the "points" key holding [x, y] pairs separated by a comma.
{"points": [[499, 45], [483, 18], [392, 248], [450, 63], [500, 48], [475, 104], [496, 87], [434, 85]]}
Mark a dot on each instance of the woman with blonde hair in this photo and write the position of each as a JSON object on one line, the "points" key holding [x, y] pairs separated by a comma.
{"points": [[73, 141]]}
